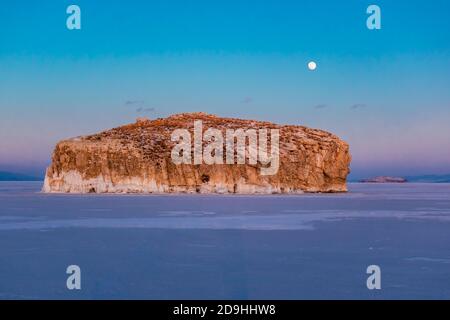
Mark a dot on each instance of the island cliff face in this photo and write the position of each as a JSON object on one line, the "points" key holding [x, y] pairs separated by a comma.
{"points": [[136, 158]]}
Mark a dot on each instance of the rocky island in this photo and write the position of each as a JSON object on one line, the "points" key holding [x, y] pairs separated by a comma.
{"points": [[138, 158]]}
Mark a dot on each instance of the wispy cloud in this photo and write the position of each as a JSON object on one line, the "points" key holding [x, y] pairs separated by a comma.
{"points": [[133, 102], [358, 106], [320, 106], [145, 110], [247, 100], [140, 106]]}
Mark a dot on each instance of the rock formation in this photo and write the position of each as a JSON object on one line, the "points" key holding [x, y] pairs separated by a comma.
{"points": [[136, 158]]}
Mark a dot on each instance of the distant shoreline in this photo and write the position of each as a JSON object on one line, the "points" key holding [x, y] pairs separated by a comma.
{"points": [[6, 176]]}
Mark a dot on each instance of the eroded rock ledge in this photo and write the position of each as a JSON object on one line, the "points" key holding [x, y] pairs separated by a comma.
{"points": [[136, 158]]}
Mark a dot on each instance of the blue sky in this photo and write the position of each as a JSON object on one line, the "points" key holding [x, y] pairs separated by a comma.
{"points": [[384, 91]]}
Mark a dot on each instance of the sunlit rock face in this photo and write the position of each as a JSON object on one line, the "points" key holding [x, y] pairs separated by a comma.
{"points": [[136, 158]]}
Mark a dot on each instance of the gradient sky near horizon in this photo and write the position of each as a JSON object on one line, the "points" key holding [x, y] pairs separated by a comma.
{"points": [[386, 92]]}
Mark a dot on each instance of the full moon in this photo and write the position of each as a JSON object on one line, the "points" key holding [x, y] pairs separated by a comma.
{"points": [[312, 65]]}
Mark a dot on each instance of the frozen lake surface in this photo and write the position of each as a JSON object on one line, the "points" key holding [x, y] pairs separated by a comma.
{"points": [[226, 247]]}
